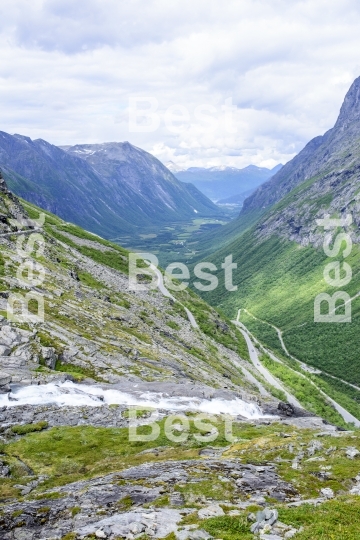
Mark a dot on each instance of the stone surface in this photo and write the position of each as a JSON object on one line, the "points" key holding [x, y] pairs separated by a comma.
{"points": [[177, 499], [313, 447], [4, 470], [286, 408], [158, 478], [264, 521], [100, 534], [214, 510], [162, 522], [5, 378], [290, 534], [327, 493], [4, 350], [49, 356], [200, 534], [352, 452]]}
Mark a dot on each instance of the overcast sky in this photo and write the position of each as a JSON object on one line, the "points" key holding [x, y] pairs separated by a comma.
{"points": [[230, 82]]}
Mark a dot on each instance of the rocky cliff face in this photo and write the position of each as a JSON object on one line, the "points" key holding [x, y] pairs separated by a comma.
{"points": [[110, 189], [337, 150], [10, 209], [322, 179]]}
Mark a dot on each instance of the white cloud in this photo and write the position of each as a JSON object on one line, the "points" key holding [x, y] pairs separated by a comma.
{"points": [[67, 70]]}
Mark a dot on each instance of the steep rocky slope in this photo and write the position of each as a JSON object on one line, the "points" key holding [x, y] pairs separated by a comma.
{"points": [[327, 156], [95, 323], [110, 189]]}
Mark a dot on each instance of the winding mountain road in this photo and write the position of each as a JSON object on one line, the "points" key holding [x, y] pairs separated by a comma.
{"points": [[348, 417], [264, 372], [305, 367], [167, 293]]}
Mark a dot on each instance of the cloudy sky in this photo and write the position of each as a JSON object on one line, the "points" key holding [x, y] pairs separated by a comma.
{"points": [[200, 83]]}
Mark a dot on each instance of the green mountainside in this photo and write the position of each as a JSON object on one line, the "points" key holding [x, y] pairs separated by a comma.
{"points": [[281, 260]]}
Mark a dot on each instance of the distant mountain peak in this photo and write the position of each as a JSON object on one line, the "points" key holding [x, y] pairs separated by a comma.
{"points": [[23, 137], [336, 150], [173, 167], [222, 168], [350, 109], [222, 182]]}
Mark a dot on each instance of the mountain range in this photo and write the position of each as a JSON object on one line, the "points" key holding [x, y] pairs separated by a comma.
{"points": [[236, 200], [219, 183], [110, 189]]}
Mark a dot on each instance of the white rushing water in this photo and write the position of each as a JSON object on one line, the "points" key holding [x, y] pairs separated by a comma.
{"points": [[70, 394]]}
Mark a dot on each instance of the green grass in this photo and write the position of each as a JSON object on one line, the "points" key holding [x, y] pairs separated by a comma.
{"points": [[174, 325], [88, 280], [51, 495], [278, 282], [334, 520], [2, 264], [211, 488], [67, 454], [116, 257], [24, 429], [48, 341], [304, 391], [228, 528], [75, 511], [78, 372]]}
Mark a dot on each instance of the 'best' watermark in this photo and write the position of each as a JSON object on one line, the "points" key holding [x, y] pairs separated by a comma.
{"points": [[145, 116], [177, 427], [29, 274], [177, 275], [336, 273]]}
